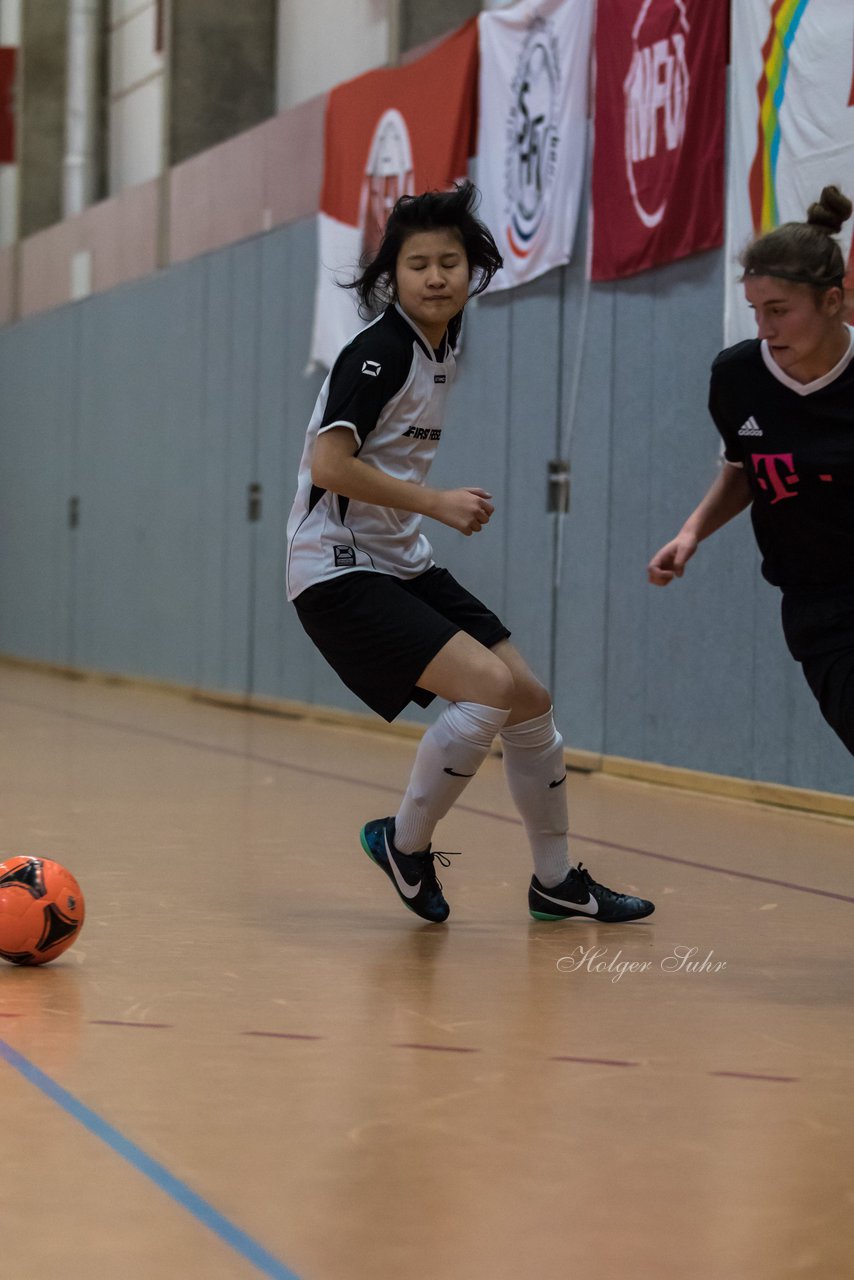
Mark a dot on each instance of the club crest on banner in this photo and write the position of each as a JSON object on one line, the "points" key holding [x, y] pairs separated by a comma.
{"points": [[389, 174], [657, 89], [533, 136], [658, 156], [384, 138], [532, 131]]}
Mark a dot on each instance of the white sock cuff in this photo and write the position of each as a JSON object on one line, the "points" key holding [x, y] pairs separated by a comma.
{"points": [[474, 722], [533, 734]]}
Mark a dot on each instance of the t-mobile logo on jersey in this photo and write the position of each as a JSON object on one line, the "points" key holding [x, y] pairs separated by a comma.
{"points": [[773, 477]]}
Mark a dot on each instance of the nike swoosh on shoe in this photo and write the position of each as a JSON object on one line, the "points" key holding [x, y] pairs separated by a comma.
{"points": [[408, 890], [590, 907], [559, 782], [454, 774]]}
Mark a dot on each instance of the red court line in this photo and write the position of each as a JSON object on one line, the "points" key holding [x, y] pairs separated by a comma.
{"points": [[749, 1075], [436, 1048], [439, 1048], [115, 1022], [599, 1062], [347, 779], [281, 1035], [680, 862]]}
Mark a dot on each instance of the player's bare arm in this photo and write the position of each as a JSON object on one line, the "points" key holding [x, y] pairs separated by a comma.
{"points": [[727, 498], [336, 468]]}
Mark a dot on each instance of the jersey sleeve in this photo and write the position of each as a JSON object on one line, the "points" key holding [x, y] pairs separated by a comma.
{"points": [[723, 416], [365, 377]]}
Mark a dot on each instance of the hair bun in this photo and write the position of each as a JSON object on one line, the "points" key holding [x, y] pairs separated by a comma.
{"points": [[830, 211]]}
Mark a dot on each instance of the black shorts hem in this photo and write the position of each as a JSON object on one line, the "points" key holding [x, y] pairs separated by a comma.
{"points": [[378, 633]]}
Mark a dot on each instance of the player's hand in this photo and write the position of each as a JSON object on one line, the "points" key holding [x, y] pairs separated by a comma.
{"points": [[670, 561], [466, 510]]}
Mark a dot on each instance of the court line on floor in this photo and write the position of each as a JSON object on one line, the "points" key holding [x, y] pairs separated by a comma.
{"points": [[434, 1048], [157, 1173], [679, 862], [408, 1044], [328, 775]]}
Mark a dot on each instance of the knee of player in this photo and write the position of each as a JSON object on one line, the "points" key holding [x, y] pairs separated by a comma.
{"points": [[503, 686], [532, 699]]}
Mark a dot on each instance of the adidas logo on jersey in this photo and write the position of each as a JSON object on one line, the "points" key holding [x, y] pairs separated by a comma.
{"points": [[371, 368], [750, 428]]}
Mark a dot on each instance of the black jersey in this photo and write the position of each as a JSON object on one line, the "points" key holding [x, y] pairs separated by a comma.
{"points": [[795, 442], [388, 386]]}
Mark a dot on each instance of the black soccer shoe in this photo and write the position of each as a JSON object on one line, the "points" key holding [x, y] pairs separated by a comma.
{"points": [[579, 896], [412, 874]]}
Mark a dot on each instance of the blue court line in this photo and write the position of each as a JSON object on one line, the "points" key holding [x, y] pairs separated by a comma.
{"points": [[209, 1217]]}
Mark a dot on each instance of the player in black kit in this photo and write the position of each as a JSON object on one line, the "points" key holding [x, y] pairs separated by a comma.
{"points": [[784, 405], [394, 626]]}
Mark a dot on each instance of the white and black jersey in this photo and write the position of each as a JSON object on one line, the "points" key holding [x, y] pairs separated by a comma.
{"points": [[388, 386], [795, 442]]}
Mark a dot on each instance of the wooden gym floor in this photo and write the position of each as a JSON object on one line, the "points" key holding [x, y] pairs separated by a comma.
{"points": [[255, 1062]]}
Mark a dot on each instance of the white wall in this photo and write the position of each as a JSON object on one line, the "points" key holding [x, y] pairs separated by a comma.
{"points": [[10, 36], [322, 42], [136, 94]]}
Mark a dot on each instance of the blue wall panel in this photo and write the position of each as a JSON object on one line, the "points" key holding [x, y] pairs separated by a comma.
{"points": [[212, 667], [473, 453], [136, 471], [581, 651], [37, 415], [158, 404], [239, 452], [285, 662]]}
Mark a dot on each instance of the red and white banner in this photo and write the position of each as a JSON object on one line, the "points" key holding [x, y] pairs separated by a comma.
{"points": [[7, 109], [532, 134], [791, 124], [658, 155], [389, 133]]}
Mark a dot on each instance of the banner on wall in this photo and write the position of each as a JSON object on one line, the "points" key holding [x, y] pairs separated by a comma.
{"points": [[388, 133], [534, 60], [7, 109], [792, 126], [659, 115]]}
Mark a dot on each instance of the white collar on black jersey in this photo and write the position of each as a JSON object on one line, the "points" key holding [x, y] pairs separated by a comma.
{"points": [[806, 388], [428, 350]]}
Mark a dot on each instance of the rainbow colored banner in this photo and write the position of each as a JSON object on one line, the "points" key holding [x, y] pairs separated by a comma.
{"points": [[785, 19], [792, 124]]}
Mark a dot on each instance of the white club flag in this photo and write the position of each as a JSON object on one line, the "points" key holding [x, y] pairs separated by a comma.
{"points": [[532, 131]]}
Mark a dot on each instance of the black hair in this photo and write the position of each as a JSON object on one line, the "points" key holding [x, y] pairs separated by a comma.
{"points": [[431, 211], [804, 252]]}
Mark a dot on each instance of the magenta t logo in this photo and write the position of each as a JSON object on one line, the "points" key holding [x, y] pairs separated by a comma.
{"points": [[773, 478]]}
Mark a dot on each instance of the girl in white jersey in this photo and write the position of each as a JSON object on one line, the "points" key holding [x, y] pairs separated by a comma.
{"points": [[784, 405], [361, 575]]}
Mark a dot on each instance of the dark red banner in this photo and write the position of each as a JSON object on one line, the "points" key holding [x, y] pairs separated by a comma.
{"points": [[7, 105], [658, 156]]}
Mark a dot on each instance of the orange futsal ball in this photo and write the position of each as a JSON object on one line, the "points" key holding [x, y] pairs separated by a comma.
{"points": [[41, 910]]}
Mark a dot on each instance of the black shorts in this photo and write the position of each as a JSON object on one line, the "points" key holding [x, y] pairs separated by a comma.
{"points": [[819, 630], [379, 633]]}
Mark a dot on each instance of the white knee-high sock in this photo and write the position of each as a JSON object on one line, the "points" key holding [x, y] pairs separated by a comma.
{"points": [[536, 776], [449, 755]]}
